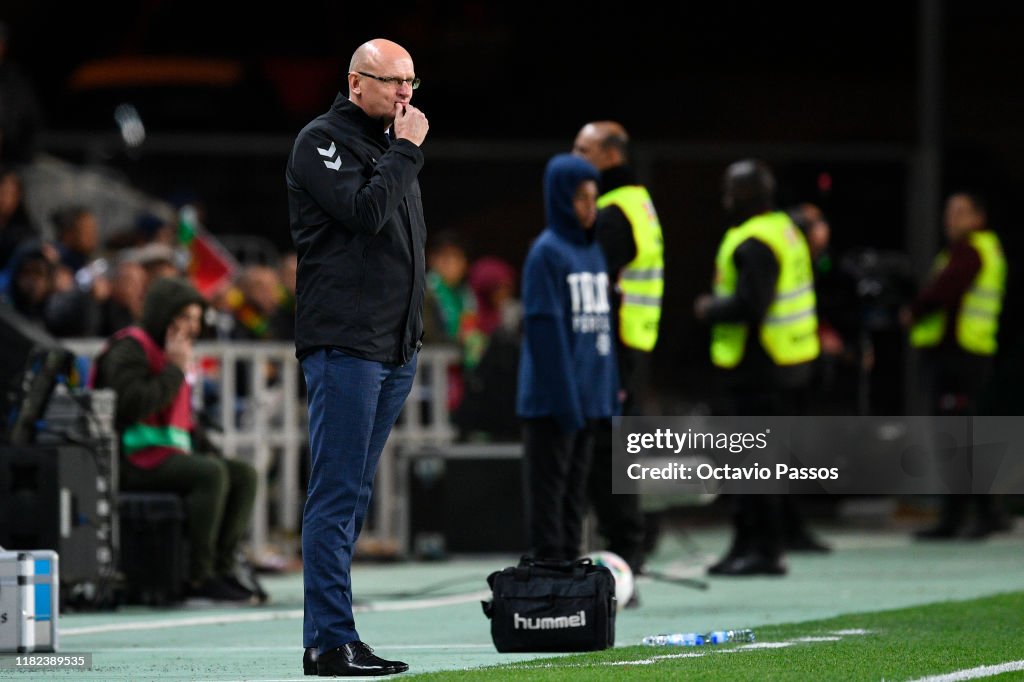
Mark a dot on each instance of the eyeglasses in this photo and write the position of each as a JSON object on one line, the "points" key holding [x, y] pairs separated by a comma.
{"points": [[393, 80]]}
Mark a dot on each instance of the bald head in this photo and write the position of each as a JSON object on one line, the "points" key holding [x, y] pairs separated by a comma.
{"points": [[603, 143], [748, 189], [382, 59], [374, 53]]}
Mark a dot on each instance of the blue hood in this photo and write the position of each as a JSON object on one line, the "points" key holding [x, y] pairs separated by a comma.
{"points": [[562, 177]]}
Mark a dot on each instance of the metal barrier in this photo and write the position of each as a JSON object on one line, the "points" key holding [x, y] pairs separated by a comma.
{"points": [[268, 425]]}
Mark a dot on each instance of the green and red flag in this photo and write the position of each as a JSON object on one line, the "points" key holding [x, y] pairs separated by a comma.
{"points": [[211, 268]]}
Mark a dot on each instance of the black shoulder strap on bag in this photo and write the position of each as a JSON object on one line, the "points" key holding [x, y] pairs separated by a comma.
{"points": [[579, 567]]}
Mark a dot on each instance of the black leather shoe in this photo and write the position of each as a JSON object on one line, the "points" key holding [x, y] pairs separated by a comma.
{"points": [[309, 661], [751, 563], [355, 658]]}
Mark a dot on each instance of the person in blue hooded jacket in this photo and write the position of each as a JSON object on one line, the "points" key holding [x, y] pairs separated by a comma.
{"points": [[567, 370]]}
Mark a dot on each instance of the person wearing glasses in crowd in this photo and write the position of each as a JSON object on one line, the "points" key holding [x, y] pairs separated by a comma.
{"points": [[357, 223]]}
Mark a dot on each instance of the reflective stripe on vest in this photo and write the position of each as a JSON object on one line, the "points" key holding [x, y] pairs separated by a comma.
{"points": [[167, 429], [789, 331], [642, 280], [977, 321]]}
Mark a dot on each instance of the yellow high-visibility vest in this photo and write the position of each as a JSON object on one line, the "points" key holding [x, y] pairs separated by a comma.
{"points": [[977, 321], [642, 281], [789, 330]]}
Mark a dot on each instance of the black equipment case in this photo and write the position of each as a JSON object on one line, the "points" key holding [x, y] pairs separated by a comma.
{"points": [[154, 549], [543, 605]]}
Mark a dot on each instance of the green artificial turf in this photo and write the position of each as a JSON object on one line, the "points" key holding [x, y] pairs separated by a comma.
{"points": [[904, 644]]}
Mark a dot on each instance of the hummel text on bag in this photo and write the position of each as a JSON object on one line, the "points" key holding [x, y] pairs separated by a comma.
{"points": [[578, 620]]}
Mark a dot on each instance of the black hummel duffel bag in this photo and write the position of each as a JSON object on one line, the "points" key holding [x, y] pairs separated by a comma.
{"points": [[543, 605]]}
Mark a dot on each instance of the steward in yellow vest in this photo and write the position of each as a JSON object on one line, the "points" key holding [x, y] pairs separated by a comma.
{"points": [[764, 336], [641, 280], [630, 235], [788, 330], [955, 320], [961, 302], [763, 309]]}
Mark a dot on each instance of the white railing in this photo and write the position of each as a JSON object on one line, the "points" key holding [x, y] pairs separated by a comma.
{"points": [[424, 422], [270, 425]]}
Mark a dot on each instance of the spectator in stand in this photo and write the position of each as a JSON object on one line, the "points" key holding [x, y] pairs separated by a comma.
{"points": [[82, 287], [31, 283], [451, 303], [493, 282], [149, 228], [254, 301], [286, 270], [127, 292], [449, 308], [488, 410], [283, 323], [15, 228], [158, 260], [78, 234], [36, 290], [162, 448]]}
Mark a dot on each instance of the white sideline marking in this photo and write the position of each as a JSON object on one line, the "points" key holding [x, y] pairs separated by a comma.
{"points": [[656, 659], [710, 649], [223, 619], [271, 679], [817, 639], [265, 616], [410, 605], [293, 649], [975, 673]]}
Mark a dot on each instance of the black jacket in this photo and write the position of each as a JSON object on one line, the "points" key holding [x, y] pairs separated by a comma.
{"points": [[357, 223], [614, 231]]}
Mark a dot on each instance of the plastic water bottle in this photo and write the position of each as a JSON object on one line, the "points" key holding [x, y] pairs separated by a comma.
{"points": [[675, 639], [697, 639], [729, 636]]}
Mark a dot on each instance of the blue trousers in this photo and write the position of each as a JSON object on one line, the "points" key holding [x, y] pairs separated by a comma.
{"points": [[353, 403]]}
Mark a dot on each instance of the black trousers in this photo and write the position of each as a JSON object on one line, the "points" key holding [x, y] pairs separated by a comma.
{"points": [[955, 381], [620, 521], [555, 468], [762, 522]]}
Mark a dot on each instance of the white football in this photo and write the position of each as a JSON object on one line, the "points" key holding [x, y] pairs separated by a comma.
{"points": [[620, 570]]}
